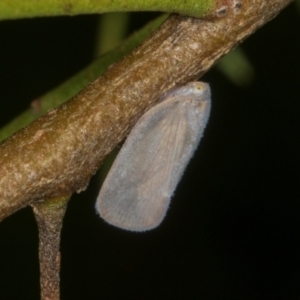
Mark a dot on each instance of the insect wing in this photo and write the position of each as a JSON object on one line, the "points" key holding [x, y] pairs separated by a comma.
{"points": [[137, 191]]}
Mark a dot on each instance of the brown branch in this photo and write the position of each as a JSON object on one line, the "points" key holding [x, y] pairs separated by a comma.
{"points": [[57, 154], [49, 216]]}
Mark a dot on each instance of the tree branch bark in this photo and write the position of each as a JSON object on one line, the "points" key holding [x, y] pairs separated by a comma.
{"points": [[58, 153], [49, 217]]}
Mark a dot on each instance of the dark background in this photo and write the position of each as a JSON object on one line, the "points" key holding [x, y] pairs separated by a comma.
{"points": [[232, 231]]}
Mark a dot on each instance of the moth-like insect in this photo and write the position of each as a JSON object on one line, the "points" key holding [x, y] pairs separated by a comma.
{"points": [[138, 188]]}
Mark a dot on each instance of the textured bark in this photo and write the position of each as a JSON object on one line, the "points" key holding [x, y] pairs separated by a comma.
{"points": [[57, 154], [49, 217]]}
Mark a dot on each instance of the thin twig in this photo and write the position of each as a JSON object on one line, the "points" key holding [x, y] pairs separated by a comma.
{"points": [[49, 216], [12, 9]]}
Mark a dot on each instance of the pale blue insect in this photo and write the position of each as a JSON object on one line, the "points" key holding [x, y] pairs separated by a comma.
{"points": [[137, 191]]}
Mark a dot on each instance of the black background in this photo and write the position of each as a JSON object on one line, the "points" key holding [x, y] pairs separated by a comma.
{"points": [[232, 231]]}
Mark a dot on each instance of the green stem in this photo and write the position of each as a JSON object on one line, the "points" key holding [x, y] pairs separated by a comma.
{"points": [[13, 9], [111, 32]]}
